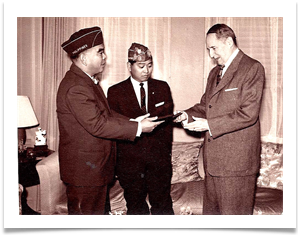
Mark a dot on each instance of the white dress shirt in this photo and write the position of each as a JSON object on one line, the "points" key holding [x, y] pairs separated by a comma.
{"points": [[137, 90]]}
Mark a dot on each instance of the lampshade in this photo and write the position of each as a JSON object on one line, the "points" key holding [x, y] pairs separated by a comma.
{"points": [[26, 115]]}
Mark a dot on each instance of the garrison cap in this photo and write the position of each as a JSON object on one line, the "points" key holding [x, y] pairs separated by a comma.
{"points": [[139, 53], [83, 40]]}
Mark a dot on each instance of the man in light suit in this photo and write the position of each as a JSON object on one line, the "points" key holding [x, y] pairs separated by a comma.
{"points": [[229, 114], [144, 166], [87, 126]]}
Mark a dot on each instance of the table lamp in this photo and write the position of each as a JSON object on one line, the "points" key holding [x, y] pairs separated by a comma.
{"points": [[26, 119]]}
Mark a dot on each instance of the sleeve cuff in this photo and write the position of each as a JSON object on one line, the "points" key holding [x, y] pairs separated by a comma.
{"points": [[209, 130], [139, 130], [187, 119]]}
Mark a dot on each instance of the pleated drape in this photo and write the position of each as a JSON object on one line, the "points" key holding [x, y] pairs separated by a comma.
{"points": [[179, 54]]}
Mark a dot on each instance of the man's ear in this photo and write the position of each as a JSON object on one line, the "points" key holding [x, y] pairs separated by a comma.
{"points": [[83, 59], [229, 41], [129, 66]]}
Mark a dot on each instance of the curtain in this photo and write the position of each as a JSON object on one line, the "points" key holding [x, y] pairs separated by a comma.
{"points": [[180, 58], [119, 33], [55, 64], [29, 63]]}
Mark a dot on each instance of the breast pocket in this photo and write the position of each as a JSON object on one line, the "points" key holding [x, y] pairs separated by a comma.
{"points": [[230, 98], [231, 94], [225, 102]]}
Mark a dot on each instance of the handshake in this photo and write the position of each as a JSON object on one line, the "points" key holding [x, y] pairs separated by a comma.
{"points": [[149, 123]]}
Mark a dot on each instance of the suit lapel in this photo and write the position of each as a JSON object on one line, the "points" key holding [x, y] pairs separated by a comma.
{"points": [[99, 92], [151, 96], [131, 98], [229, 74]]}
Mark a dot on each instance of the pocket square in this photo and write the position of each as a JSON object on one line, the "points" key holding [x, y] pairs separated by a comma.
{"points": [[159, 104], [231, 89]]}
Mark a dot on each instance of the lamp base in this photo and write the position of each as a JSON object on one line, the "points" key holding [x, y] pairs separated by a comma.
{"points": [[40, 147], [22, 135]]}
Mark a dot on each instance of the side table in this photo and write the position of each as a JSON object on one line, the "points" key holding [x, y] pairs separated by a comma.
{"points": [[28, 175]]}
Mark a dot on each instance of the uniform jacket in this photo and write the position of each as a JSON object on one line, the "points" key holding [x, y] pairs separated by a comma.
{"points": [[86, 126], [150, 146], [232, 111]]}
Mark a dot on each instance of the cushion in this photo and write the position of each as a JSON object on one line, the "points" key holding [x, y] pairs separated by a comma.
{"points": [[188, 198], [268, 201], [185, 158], [271, 170], [117, 200]]}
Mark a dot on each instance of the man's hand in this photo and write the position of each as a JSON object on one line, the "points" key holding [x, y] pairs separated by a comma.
{"points": [[147, 123], [140, 118], [200, 124], [180, 118]]}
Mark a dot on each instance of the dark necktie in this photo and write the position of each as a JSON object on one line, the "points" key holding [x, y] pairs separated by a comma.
{"points": [[143, 98], [220, 74]]}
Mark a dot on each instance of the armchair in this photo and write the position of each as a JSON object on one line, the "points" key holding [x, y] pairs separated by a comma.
{"points": [[186, 185], [53, 198], [186, 188]]}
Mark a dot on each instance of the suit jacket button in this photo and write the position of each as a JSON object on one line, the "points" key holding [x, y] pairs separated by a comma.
{"points": [[209, 106], [208, 140]]}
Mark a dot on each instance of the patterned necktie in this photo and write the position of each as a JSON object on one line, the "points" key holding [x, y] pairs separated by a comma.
{"points": [[143, 99], [220, 74]]}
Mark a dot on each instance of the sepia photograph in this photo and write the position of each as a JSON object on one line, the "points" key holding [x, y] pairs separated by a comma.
{"points": [[176, 115]]}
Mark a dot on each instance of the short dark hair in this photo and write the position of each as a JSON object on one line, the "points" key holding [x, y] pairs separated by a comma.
{"points": [[222, 31], [73, 57], [131, 61]]}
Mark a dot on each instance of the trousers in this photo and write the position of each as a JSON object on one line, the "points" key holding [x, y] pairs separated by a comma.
{"points": [[153, 181], [229, 195], [84, 200]]}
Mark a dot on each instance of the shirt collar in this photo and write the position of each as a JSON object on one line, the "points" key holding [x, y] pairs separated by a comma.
{"points": [[137, 90], [231, 58], [135, 82], [95, 80]]}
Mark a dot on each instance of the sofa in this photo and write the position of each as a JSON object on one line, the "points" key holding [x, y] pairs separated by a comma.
{"points": [[186, 185]]}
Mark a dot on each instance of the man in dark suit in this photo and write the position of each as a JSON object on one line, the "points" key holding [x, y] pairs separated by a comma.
{"points": [[229, 113], [87, 125], [144, 166]]}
